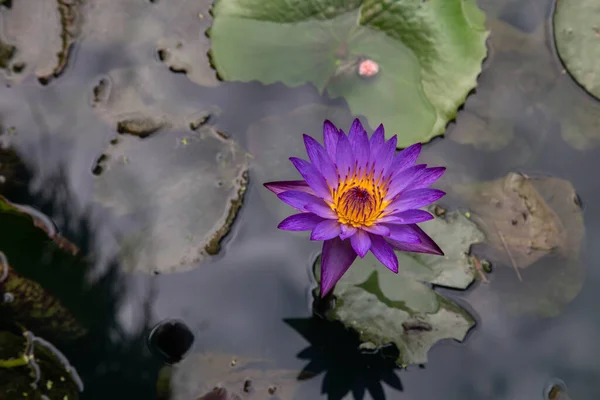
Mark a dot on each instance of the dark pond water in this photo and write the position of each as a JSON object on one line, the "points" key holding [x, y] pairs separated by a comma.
{"points": [[253, 301]]}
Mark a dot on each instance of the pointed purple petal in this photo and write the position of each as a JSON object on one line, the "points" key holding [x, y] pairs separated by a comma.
{"points": [[385, 157], [313, 177], [377, 230], [402, 180], [322, 211], [326, 230], [383, 251], [415, 199], [283, 186], [299, 200], [337, 257], [361, 243], [330, 138], [403, 233], [344, 157], [375, 143], [359, 141], [347, 231], [406, 217], [427, 244], [426, 177], [320, 160], [406, 158], [300, 222]]}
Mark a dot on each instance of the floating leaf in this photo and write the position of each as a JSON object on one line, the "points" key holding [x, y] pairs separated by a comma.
{"points": [[173, 30], [136, 101], [184, 47], [428, 54], [174, 200], [25, 301], [199, 374], [31, 368], [577, 33], [402, 308], [526, 220], [43, 34]]}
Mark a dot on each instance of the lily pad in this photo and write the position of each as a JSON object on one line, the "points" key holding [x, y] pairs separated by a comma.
{"points": [[577, 34], [184, 46], [43, 34], [31, 368], [199, 374], [24, 300], [137, 101], [527, 220], [174, 196], [172, 30], [402, 308], [428, 54]]}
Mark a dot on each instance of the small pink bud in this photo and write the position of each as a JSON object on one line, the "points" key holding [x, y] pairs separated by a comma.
{"points": [[368, 68]]}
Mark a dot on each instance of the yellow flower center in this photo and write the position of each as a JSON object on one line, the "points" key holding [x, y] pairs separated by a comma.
{"points": [[359, 199]]}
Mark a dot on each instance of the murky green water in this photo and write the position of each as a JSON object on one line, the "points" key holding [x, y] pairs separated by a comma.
{"points": [[252, 301]]}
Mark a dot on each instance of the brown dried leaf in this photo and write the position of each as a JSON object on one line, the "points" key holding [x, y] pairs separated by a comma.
{"points": [[535, 216]]}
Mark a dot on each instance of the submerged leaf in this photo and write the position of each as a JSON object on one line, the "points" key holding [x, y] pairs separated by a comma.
{"points": [[428, 54], [510, 91], [173, 203], [528, 220], [580, 120], [199, 374], [402, 308], [519, 219]]}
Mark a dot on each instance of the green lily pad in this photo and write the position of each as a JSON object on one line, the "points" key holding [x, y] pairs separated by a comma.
{"points": [[25, 239], [402, 308], [577, 33], [429, 54], [175, 195], [32, 369], [42, 35], [534, 227]]}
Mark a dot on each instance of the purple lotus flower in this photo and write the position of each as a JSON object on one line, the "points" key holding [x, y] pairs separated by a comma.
{"points": [[358, 195]]}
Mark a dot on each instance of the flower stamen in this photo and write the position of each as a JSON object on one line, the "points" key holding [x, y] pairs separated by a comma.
{"points": [[358, 200]]}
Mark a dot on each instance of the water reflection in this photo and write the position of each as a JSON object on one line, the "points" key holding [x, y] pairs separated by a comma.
{"points": [[335, 351]]}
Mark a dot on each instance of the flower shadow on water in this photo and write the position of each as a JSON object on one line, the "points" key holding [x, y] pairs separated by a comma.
{"points": [[335, 351]]}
